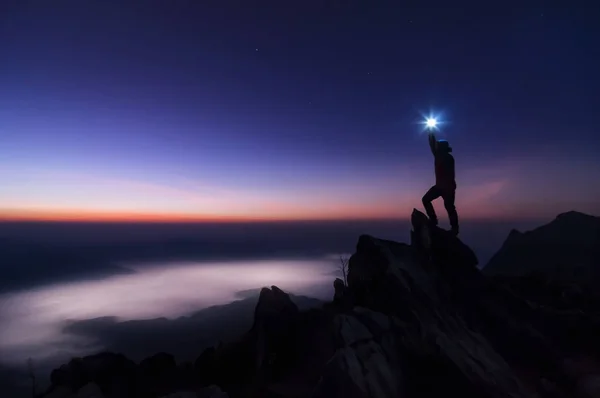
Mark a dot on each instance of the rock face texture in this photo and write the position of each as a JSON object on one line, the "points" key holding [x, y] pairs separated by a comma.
{"points": [[415, 297], [416, 320]]}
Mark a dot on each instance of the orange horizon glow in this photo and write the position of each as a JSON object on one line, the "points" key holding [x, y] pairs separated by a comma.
{"points": [[88, 216], [101, 217], [506, 190]]}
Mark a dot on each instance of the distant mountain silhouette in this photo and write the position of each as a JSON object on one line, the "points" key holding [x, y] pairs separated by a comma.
{"points": [[568, 248], [140, 338]]}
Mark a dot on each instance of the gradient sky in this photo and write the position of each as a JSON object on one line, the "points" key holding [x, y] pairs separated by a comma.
{"points": [[193, 110]]}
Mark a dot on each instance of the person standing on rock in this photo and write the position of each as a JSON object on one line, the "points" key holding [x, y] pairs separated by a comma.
{"points": [[445, 183]]}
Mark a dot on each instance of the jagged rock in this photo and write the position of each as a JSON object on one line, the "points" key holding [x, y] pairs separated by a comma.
{"points": [[158, 375], [90, 390], [272, 303], [282, 355], [555, 270], [568, 248], [114, 373], [442, 244], [397, 280], [339, 288], [367, 364], [420, 235], [205, 365], [341, 296], [351, 331], [273, 323]]}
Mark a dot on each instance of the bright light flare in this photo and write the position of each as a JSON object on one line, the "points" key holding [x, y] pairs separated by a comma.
{"points": [[431, 122]]}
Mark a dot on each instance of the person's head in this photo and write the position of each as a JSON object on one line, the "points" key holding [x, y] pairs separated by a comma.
{"points": [[443, 146]]}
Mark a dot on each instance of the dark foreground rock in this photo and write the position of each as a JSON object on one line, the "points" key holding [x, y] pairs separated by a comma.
{"points": [[416, 320]]}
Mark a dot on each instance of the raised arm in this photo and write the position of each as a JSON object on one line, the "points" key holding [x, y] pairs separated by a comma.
{"points": [[432, 142]]}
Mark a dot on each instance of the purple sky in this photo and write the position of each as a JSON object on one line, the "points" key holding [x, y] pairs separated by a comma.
{"points": [[294, 110]]}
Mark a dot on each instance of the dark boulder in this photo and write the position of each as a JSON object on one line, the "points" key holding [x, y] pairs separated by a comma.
{"points": [[341, 297], [113, 373], [158, 375], [205, 366]]}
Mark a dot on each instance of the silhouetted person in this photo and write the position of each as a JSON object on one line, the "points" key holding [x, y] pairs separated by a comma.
{"points": [[445, 183]]}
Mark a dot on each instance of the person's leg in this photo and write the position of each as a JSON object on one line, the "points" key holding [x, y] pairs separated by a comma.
{"points": [[429, 197], [449, 199]]}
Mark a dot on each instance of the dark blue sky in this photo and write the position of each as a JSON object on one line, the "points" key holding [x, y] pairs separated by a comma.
{"points": [[216, 109]]}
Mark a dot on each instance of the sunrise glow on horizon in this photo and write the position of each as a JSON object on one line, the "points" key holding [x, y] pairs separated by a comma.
{"points": [[502, 190], [108, 115]]}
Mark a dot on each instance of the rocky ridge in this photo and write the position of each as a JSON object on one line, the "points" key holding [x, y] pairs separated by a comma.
{"points": [[566, 249], [415, 320]]}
